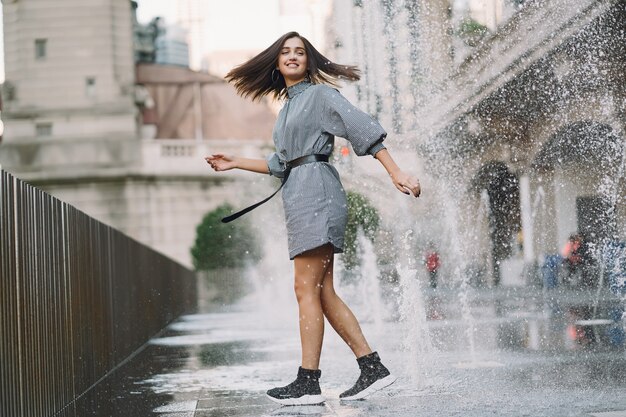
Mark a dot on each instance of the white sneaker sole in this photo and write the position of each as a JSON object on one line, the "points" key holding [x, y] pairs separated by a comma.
{"points": [[304, 400], [300, 410], [376, 386]]}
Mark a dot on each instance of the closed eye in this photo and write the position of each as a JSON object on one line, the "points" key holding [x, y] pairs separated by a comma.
{"points": [[299, 51]]}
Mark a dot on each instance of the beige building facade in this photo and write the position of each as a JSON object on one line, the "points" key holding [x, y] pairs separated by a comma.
{"points": [[547, 110], [74, 115], [524, 136], [69, 84]]}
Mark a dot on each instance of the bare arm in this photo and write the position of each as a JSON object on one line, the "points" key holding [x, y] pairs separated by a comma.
{"points": [[402, 181], [221, 162]]}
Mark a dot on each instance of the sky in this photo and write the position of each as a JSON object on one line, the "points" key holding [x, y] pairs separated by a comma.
{"points": [[228, 27], [234, 28]]}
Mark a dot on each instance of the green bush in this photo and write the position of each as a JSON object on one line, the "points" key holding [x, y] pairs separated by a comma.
{"points": [[472, 32], [223, 245], [360, 213]]}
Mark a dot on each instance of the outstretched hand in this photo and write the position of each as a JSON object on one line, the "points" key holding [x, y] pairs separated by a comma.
{"points": [[406, 183], [221, 162]]}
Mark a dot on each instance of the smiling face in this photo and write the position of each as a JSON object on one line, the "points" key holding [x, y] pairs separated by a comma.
{"points": [[292, 61]]}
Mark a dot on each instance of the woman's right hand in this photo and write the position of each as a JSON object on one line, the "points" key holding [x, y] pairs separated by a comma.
{"points": [[221, 162]]}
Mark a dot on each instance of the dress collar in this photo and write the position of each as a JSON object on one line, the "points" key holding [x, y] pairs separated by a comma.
{"points": [[296, 89]]}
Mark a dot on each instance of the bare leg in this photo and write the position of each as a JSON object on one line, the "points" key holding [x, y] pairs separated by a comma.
{"points": [[310, 269], [341, 317]]}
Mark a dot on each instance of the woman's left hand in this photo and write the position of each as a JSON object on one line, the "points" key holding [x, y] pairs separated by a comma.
{"points": [[406, 183]]}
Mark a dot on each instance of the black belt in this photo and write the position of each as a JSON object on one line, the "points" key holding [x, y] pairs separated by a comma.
{"points": [[290, 165]]}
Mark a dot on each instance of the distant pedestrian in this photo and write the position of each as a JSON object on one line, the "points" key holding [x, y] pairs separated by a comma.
{"points": [[313, 198], [572, 260], [432, 266], [588, 268]]}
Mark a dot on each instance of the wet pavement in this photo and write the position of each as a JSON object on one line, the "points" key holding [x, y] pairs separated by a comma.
{"points": [[221, 363]]}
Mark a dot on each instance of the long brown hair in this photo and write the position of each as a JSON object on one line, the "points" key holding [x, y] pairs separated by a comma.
{"points": [[259, 77]]}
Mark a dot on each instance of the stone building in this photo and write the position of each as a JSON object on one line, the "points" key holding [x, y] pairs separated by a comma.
{"points": [[69, 90], [124, 143], [543, 104], [525, 135]]}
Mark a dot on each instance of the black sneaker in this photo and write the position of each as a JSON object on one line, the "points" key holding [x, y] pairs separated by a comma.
{"points": [[305, 390], [374, 376]]}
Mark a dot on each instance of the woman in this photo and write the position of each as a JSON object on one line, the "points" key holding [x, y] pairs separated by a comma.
{"points": [[313, 197]]}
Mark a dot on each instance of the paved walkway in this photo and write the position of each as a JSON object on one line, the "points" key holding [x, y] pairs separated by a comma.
{"points": [[220, 364]]}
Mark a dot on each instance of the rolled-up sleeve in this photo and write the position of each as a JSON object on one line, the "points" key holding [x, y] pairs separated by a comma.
{"points": [[276, 165], [341, 118]]}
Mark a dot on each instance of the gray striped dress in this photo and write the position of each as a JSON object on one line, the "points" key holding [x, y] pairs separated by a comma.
{"points": [[313, 197]]}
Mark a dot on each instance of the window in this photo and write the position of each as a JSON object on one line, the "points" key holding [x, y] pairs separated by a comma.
{"points": [[8, 91], [43, 129], [90, 87], [41, 46]]}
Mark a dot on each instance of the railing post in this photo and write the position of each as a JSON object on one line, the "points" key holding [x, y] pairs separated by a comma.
{"points": [[77, 299]]}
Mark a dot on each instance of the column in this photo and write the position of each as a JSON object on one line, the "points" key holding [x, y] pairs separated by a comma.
{"points": [[527, 220]]}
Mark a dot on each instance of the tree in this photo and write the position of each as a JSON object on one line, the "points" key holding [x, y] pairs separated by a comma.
{"points": [[360, 214], [472, 32], [223, 245]]}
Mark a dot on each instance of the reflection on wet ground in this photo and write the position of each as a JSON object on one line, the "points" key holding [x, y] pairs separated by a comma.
{"points": [[122, 394], [220, 364]]}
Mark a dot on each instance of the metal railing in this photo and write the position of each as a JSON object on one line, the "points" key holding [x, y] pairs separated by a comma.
{"points": [[77, 298]]}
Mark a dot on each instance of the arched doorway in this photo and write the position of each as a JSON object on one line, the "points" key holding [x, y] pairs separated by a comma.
{"points": [[501, 187], [586, 160]]}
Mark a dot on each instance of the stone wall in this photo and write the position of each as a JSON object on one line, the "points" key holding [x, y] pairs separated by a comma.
{"points": [[160, 201]]}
